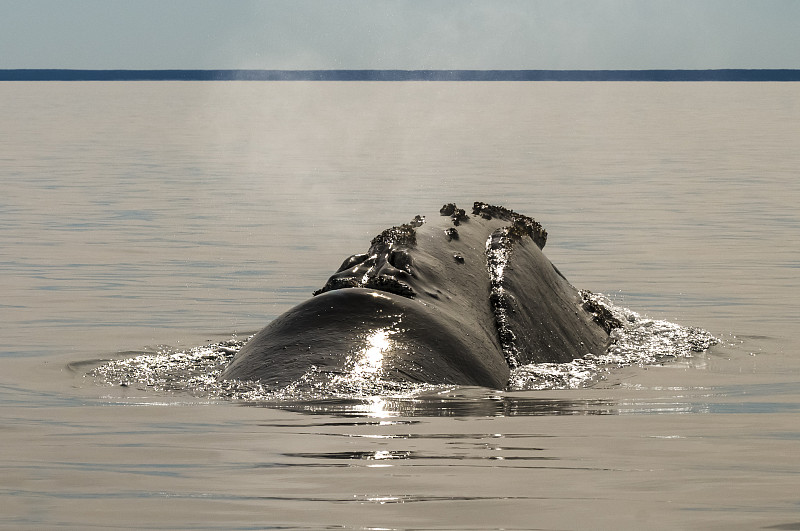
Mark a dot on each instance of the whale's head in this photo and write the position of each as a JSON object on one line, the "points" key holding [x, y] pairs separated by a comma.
{"points": [[456, 298]]}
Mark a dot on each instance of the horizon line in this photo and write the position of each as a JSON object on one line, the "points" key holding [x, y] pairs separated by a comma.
{"points": [[722, 74]]}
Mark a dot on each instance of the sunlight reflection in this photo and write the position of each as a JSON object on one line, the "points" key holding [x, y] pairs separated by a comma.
{"points": [[381, 455], [376, 407], [370, 360], [385, 499]]}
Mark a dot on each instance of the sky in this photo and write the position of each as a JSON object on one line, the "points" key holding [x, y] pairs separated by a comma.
{"points": [[397, 34]]}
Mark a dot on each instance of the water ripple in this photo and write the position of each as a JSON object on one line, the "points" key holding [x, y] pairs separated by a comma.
{"points": [[195, 372]]}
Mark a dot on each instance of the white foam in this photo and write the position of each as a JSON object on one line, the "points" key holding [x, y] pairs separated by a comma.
{"points": [[640, 341], [196, 371]]}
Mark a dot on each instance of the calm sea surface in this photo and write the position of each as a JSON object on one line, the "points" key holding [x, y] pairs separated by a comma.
{"points": [[135, 215]]}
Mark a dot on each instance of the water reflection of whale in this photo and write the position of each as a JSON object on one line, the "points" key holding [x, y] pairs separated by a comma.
{"points": [[467, 402], [460, 299]]}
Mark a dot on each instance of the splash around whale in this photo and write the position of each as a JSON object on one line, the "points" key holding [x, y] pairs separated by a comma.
{"points": [[460, 298], [437, 305]]}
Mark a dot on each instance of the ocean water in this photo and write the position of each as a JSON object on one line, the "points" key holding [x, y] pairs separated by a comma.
{"points": [[147, 217]]}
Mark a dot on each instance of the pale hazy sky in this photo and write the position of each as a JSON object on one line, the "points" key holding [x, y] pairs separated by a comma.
{"points": [[436, 34]]}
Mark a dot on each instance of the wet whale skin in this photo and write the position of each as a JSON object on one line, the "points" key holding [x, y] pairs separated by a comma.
{"points": [[460, 298]]}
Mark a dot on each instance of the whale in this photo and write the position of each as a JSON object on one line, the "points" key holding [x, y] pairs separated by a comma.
{"points": [[459, 298]]}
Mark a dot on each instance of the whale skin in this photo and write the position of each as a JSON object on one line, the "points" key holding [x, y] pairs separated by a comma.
{"points": [[456, 298]]}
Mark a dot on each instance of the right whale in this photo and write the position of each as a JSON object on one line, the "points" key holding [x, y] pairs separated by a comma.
{"points": [[458, 299]]}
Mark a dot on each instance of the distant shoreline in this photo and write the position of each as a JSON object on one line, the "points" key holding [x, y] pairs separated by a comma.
{"points": [[763, 75]]}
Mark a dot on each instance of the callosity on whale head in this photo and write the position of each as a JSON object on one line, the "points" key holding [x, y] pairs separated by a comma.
{"points": [[459, 298]]}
